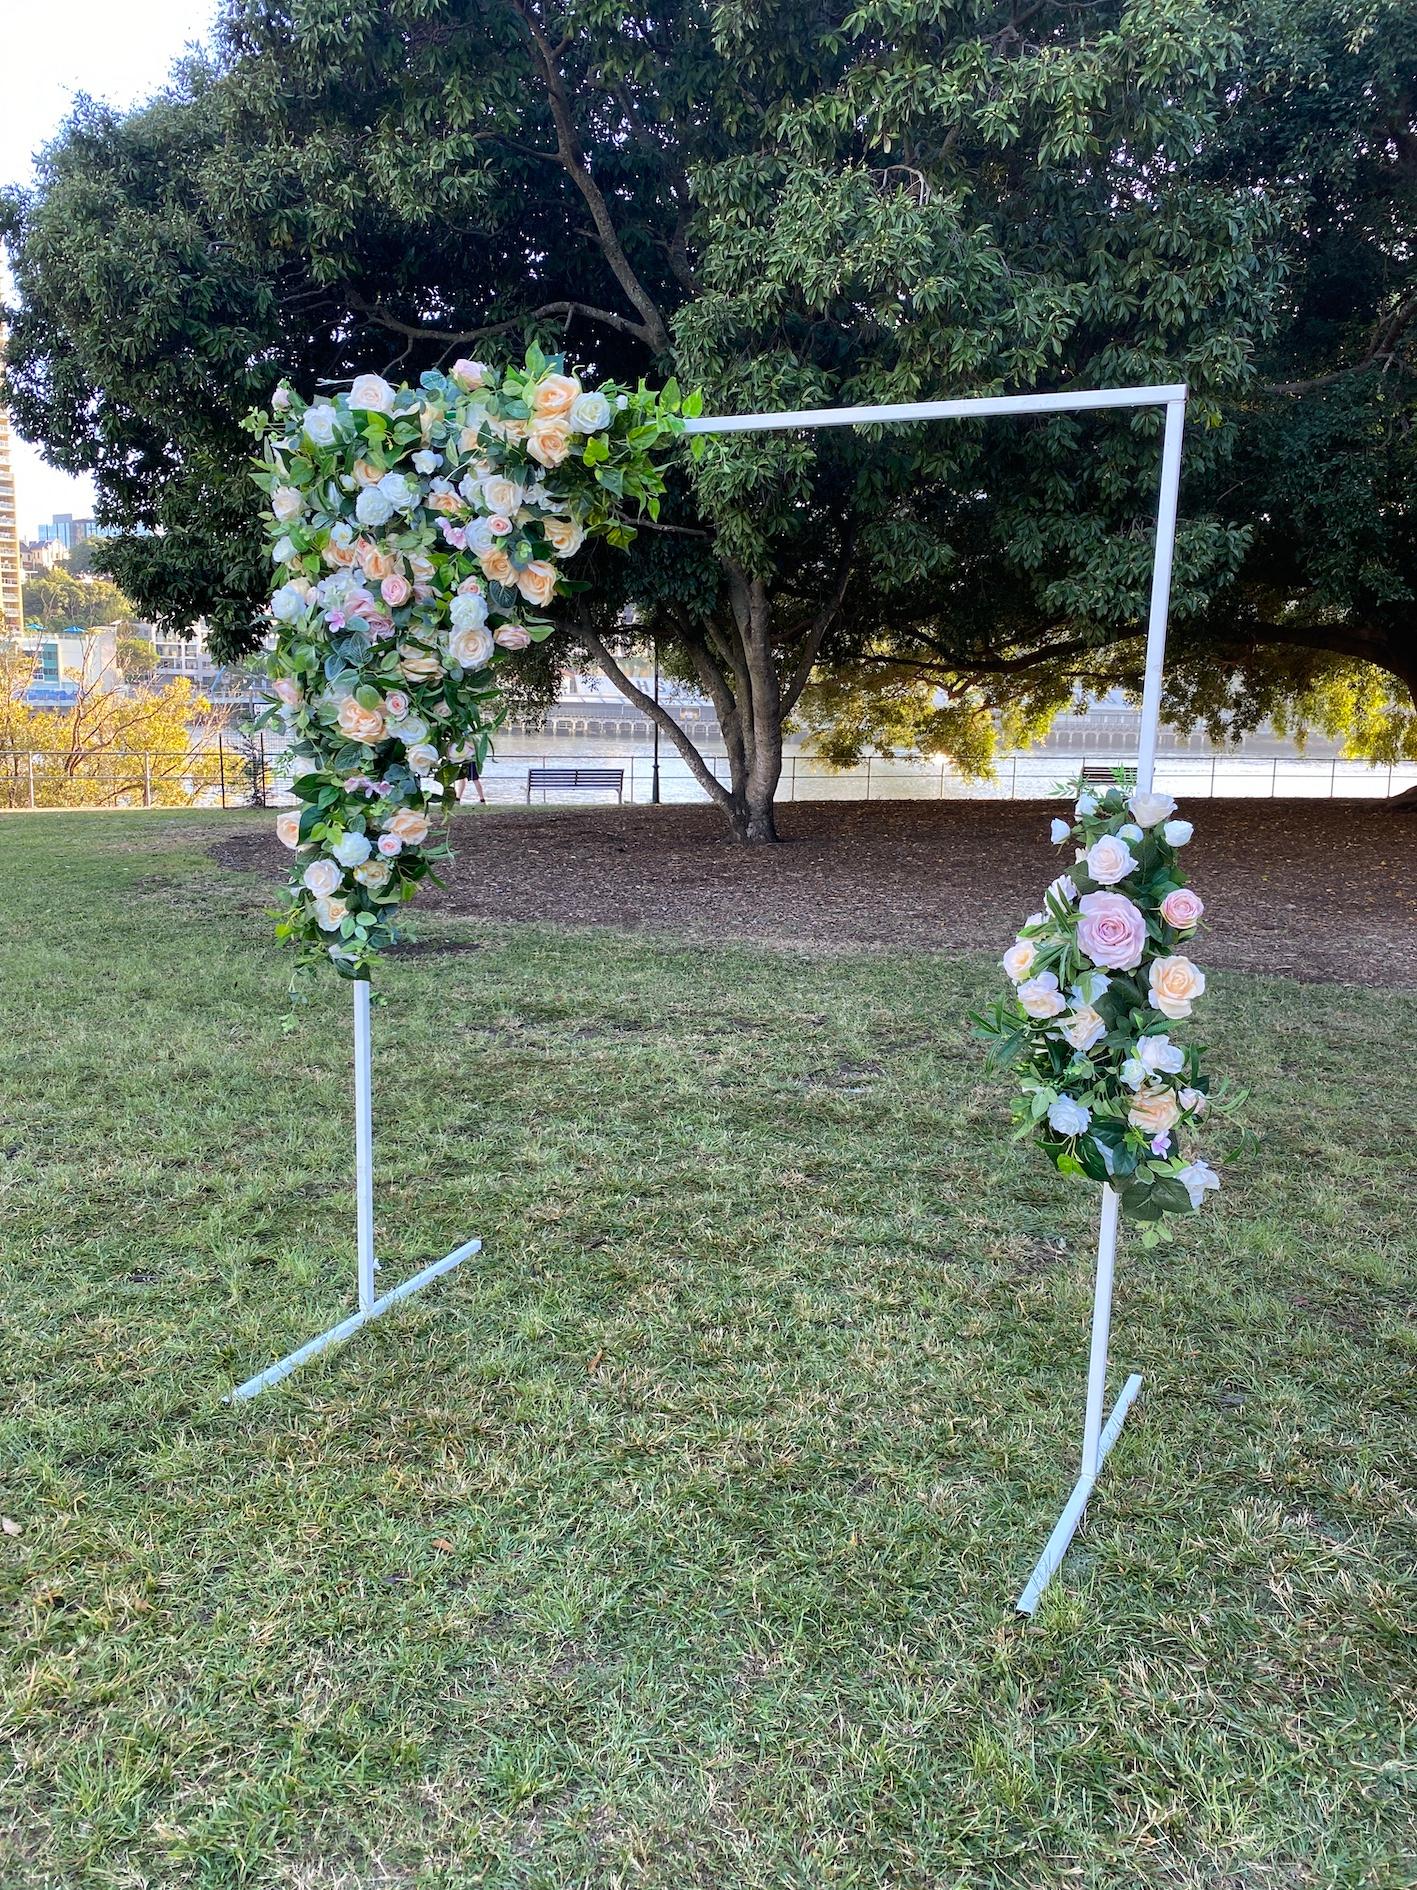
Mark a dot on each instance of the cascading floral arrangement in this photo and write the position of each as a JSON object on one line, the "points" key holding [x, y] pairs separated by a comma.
{"points": [[416, 535], [1100, 976]]}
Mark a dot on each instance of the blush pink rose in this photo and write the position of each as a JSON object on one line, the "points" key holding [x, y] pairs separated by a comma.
{"points": [[1182, 908], [1111, 930], [395, 590]]}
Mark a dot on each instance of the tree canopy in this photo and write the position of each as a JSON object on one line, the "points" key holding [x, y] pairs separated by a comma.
{"points": [[56, 601], [796, 205]]}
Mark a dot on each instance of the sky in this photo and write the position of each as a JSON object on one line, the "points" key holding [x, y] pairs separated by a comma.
{"points": [[118, 50]]}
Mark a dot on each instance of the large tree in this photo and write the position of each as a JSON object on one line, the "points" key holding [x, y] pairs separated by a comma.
{"points": [[796, 205]]}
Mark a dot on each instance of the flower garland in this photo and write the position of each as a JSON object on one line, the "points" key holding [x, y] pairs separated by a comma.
{"points": [[416, 535], [1100, 977]]}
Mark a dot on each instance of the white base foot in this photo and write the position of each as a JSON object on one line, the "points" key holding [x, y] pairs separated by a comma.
{"points": [[273, 1374], [1066, 1526]]}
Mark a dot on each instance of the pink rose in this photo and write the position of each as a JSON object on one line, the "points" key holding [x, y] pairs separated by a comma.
{"points": [[395, 590], [1182, 908], [1111, 930], [512, 637]]}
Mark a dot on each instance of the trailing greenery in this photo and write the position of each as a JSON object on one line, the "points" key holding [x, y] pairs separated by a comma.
{"points": [[799, 206]]}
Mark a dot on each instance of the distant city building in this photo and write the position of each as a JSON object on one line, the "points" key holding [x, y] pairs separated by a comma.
{"points": [[181, 658], [67, 662], [66, 530], [11, 570]]}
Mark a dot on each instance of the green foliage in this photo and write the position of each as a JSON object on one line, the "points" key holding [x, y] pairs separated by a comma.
{"points": [[794, 207], [57, 601]]}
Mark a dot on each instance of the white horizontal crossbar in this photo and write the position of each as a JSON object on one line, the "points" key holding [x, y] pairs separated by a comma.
{"points": [[971, 407], [273, 1374], [1065, 1528]]}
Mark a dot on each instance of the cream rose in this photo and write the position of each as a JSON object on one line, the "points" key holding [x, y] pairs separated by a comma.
{"points": [[500, 494], [408, 826], [374, 563], [330, 913], [1154, 1109], [1149, 810], [1083, 1028], [360, 724], [417, 665], [288, 828], [556, 394], [512, 637], [371, 393], [321, 877], [469, 374], [287, 503], [537, 583], [590, 413], [1175, 985], [1040, 996], [373, 874], [472, 646], [1018, 960]]}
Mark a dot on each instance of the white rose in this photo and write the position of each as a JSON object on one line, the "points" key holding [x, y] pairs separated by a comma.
{"points": [[280, 399], [472, 647], [1109, 859], [1068, 1116], [351, 849], [373, 507], [480, 538], [1084, 805], [1131, 833], [288, 605], [1177, 832], [283, 551], [287, 502], [1133, 1073], [1193, 1101], [426, 461], [1089, 987], [397, 490], [371, 393], [500, 494], [422, 758], [410, 730], [1158, 1056], [1060, 831], [468, 610], [1150, 809], [321, 877], [320, 423], [589, 413], [1063, 888], [1195, 1178]]}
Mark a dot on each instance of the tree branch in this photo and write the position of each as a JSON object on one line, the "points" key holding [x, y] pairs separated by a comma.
{"points": [[418, 332], [654, 324], [819, 627], [700, 770], [1382, 348]]}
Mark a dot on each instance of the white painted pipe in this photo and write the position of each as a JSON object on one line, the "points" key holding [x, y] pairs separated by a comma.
{"points": [[1066, 1526], [273, 1374], [1101, 1328], [973, 407], [364, 1144], [1166, 507]]}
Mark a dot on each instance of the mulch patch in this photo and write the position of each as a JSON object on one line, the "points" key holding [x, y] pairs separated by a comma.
{"points": [[1317, 890]]}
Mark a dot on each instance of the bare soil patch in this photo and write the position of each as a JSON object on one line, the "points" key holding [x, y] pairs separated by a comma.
{"points": [[1318, 890]]}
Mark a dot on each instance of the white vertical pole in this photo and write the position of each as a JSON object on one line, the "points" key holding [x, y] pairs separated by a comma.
{"points": [[363, 1144], [1160, 591], [1101, 1326]]}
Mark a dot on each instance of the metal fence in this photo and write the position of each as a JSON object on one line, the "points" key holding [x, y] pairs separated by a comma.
{"points": [[242, 773]]}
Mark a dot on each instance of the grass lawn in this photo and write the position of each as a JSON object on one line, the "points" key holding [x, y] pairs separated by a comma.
{"points": [[674, 1540]]}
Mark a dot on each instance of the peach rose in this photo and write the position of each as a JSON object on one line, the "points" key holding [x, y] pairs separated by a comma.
{"points": [[408, 827], [555, 395], [1182, 908], [498, 567], [288, 691], [339, 557], [548, 441], [445, 502], [1175, 985], [1154, 1109], [360, 724], [1083, 1028], [330, 913], [375, 564], [417, 665], [366, 473], [1017, 961], [1111, 930], [373, 874], [537, 583], [565, 535], [288, 828], [395, 590]]}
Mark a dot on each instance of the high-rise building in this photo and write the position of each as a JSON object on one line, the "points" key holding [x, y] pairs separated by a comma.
{"points": [[11, 577], [66, 530]]}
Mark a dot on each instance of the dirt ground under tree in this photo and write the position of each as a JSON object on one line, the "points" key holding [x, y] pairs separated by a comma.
{"points": [[1318, 890]]}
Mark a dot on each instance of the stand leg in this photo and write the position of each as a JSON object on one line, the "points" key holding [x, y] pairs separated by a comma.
{"points": [[364, 1144]]}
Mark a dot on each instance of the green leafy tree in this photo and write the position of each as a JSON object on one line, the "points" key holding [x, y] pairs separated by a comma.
{"points": [[56, 601], [797, 206]]}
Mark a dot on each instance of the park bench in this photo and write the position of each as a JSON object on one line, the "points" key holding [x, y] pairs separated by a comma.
{"points": [[1104, 773], [556, 779]]}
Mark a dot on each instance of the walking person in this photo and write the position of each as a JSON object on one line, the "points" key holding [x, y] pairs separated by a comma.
{"points": [[470, 778]]}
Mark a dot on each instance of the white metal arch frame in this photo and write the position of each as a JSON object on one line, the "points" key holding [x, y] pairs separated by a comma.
{"points": [[1098, 1436]]}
